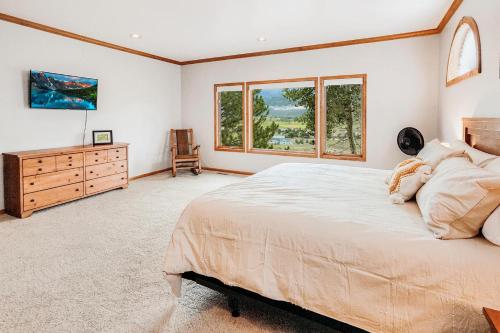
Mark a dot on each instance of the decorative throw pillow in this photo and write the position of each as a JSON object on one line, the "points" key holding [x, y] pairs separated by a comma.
{"points": [[478, 157], [434, 152], [399, 165], [407, 178], [491, 228], [458, 198]]}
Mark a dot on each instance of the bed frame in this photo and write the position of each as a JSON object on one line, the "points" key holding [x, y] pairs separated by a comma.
{"points": [[483, 134], [235, 295], [480, 133]]}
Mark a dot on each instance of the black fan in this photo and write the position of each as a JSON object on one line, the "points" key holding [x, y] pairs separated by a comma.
{"points": [[410, 141]]}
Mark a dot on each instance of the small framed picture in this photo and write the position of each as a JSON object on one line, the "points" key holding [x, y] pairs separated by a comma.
{"points": [[102, 137]]}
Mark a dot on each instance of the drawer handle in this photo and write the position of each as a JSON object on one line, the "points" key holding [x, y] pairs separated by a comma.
{"points": [[39, 169], [70, 157], [91, 185], [77, 189], [123, 178], [91, 171], [32, 184], [117, 157], [40, 161], [123, 166], [97, 160], [70, 164], [77, 175], [32, 200], [117, 151], [96, 154]]}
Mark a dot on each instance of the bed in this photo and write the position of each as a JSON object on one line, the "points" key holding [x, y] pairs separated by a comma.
{"points": [[327, 239]]}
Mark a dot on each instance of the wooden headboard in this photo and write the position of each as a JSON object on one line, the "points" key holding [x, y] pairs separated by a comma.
{"points": [[483, 134]]}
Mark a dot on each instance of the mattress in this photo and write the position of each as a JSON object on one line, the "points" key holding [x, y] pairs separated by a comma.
{"points": [[328, 239]]}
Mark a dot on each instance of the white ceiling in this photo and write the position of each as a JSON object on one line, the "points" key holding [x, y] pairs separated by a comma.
{"points": [[193, 29]]}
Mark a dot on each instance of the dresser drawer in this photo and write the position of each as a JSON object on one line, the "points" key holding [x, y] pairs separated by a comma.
{"points": [[96, 157], [54, 179], [107, 169], [36, 166], [104, 183], [53, 196], [70, 161], [117, 154]]}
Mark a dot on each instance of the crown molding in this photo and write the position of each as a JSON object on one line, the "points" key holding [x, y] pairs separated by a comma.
{"points": [[317, 46], [449, 14], [429, 32], [64, 33]]}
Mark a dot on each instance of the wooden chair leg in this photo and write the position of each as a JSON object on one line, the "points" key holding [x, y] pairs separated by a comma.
{"points": [[195, 170], [174, 169]]}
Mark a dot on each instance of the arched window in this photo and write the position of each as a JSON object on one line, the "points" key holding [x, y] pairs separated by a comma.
{"points": [[465, 54]]}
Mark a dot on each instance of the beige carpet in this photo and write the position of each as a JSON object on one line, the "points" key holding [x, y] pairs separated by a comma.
{"points": [[94, 265]]}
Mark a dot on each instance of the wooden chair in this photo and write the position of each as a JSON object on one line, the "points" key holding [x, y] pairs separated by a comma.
{"points": [[185, 155]]}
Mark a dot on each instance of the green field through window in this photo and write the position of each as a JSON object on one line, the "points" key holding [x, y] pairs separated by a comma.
{"points": [[284, 119]]}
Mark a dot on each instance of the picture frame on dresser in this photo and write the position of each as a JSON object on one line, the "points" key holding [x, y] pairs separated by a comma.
{"points": [[39, 179], [102, 137]]}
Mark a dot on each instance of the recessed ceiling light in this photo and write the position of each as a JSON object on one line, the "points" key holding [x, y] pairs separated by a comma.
{"points": [[135, 35], [262, 39]]}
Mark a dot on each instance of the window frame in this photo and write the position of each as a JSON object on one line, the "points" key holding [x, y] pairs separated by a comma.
{"points": [[323, 125], [478, 69], [249, 128], [217, 144]]}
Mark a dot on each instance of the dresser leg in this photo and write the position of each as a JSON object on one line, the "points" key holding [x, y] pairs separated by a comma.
{"points": [[26, 214], [125, 186]]}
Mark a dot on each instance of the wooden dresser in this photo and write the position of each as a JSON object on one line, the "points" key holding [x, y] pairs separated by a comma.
{"points": [[38, 179]]}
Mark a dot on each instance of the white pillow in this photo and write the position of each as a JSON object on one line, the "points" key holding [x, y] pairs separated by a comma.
{"points": [[494, 165], [491, 228], [434, 152], [478, 157], [407, 178], [458, 198]]}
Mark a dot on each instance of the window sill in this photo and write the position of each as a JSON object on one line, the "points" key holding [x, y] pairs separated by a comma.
{"points": [[360, 158], [313, 154], [463, 77], [230, 149]]}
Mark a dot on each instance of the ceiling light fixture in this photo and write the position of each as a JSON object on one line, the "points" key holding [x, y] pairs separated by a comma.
{"points": [[262, 39], [135, 35]]}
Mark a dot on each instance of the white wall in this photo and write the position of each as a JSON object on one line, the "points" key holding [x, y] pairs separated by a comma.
{"points": [[138, 98], [480, 95], [402, 91]]}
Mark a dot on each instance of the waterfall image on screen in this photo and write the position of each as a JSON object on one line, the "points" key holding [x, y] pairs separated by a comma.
{"points": [[58, 91]]}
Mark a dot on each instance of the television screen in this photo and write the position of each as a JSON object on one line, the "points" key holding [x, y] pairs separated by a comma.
{"points": [[58, 91]]}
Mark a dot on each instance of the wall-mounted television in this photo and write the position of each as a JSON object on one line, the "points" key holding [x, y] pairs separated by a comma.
{"points": [[59, 91]]}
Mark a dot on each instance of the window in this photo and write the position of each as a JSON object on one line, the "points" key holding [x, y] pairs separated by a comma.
{"points": [[465, 53], [282, 117], [229, 117], [343, 117]]}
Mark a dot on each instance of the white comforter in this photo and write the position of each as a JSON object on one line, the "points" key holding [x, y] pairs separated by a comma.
{"points": [[327, 239]]}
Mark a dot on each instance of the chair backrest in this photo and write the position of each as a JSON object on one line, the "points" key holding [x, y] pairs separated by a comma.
{"points": [[183, 139]]}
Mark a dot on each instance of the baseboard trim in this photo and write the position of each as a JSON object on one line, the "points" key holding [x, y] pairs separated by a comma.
{"points": [[144, 175], [235, 172]]}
